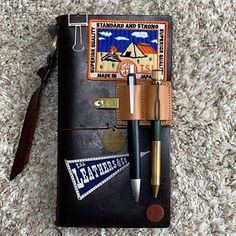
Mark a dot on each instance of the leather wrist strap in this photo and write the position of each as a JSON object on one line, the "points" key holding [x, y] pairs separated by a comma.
{"points": [[31, 117]]}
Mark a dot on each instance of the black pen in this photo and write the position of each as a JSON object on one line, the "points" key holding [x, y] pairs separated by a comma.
{"points": [[133, 140]]}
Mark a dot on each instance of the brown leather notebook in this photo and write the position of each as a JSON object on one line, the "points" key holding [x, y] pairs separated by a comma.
{"points": [[93, 183]]}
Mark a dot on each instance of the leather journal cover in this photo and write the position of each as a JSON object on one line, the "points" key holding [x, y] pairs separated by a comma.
{"points": [[93, 184]]}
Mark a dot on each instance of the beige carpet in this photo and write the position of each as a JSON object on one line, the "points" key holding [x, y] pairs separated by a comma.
{"points": [[203, 136]]}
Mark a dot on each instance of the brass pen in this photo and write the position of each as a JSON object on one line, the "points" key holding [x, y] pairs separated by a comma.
{"points": [[156, 137]]}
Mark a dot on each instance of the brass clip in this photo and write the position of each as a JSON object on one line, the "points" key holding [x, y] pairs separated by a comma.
{"points": [[53, 46], [106, 103]]}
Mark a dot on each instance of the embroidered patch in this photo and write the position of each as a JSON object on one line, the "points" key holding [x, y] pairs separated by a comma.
{"points": [[89, 174], [115, 44]]}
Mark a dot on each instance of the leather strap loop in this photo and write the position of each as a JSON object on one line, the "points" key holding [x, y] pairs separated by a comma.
{"points": [[145, 97]]}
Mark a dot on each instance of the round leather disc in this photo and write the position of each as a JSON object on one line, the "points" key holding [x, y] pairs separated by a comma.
{"points": [[113, 140], [155, 213]]}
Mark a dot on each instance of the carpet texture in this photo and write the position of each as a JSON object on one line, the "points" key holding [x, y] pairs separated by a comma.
{"points": [[203, 136]]}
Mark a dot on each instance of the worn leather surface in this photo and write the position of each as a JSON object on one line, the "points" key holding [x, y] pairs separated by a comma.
{"points": [[80, 127]]}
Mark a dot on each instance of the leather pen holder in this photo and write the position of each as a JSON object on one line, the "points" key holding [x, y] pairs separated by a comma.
{"points": [[144, 103]]}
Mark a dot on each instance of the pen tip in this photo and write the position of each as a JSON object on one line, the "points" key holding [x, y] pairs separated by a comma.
{"points": [[135, 185], [131, 68], [155, 189]]}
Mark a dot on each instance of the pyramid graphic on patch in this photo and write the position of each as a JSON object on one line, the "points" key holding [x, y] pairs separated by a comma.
{"points": [[133, 51]]}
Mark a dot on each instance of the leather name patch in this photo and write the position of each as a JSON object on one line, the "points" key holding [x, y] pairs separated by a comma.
{"points": [[115, 44], [89, 174]]}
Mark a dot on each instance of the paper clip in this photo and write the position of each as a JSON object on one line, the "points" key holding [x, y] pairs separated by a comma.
{"points": [[76, 25]]}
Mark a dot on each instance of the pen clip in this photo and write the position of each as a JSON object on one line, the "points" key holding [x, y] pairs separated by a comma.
{"points": [[131, 94], [157, 78], [131, 82]]}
